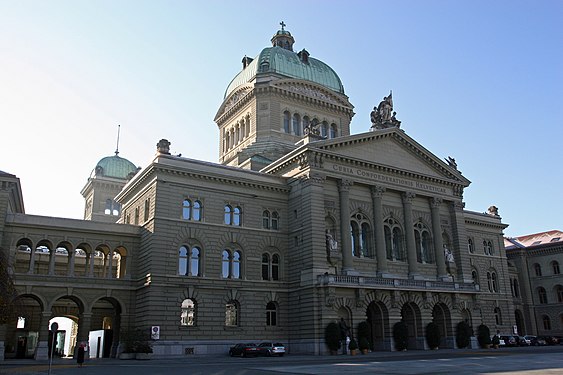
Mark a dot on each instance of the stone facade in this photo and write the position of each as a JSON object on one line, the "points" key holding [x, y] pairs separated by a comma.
{"points": [[300, 224], [537, 283]]}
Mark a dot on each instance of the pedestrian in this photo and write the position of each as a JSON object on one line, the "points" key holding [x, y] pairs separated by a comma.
{"points": [[80, 354]]}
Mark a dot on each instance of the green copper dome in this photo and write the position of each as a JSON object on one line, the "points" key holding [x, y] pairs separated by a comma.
{"points": [[115, 167], [280, 59]]}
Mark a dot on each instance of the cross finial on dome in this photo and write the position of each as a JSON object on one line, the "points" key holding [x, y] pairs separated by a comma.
{"points": [[282, 25]]}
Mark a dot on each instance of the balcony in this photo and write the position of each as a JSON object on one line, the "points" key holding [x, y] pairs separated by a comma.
{"points": [[368, 282]]}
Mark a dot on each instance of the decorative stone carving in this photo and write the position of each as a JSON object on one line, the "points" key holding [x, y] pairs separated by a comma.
{"points": [[451, 162], [493, 211], [383, 116], [163, 147]]}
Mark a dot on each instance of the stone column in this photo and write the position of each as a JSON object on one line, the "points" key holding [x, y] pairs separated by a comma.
{"points": [[378, 229], [52, 256], [409, 233], [91, 263], [71, 260], [110, 261], [435, 204], [84, 324], [42, 349], [31, 262], [344, 191]]}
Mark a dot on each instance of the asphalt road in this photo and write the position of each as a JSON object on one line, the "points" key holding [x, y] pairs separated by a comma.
{"points": [[515, 361]]}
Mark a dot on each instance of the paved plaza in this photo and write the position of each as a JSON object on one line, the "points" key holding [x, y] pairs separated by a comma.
{"points": [[514, 361]]}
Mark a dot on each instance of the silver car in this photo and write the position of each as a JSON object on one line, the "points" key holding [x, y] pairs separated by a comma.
{"points": [[272, 348]]}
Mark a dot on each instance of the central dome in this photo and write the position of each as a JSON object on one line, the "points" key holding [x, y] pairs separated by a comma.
{"points": [[280, 59]]}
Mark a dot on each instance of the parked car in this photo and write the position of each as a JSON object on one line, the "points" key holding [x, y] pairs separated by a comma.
{"points": [[522, 341], [272, 348], [509, 340], [244, 350], [535, 340], [550, 340]]}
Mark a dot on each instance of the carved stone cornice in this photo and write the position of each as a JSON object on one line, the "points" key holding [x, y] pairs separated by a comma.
{"points": [[458, 190], [458, 205], [310, 159], [314, 178]]}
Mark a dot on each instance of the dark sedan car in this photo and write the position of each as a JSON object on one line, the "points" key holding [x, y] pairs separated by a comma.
{"points": [[244, 350]]}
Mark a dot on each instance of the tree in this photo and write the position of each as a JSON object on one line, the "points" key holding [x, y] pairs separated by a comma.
{"points": [[332, 336], [8, 292], [433, 336], [483, 336], [463, 335], [401, 335]]}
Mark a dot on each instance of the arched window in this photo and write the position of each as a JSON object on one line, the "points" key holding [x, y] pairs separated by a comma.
{"points": [[236, 265], [286, 119], [189, 261], [271, 314], [187, 317], [490, 281], [225, 264], [333, 131], [423, 243], [237, 216], [537, 269], [324, 129], [197, 211], [275, 220], [266, 219], [233, 216], [559, 293], [475, 276], [270, 266], [194, 262], [394, 240], [231, 264], [296, 124], [470, 246], [495, 282], [516, 289], [555, 267], [231, 314], [187, 209], [361, 236], [183, 261], [542, 295], [498, 316], [265, 266], [490, 247], [228, 214], [546, 323], [306, 122], [275, 267], [147, 209], [136, 216], [108, 207]]}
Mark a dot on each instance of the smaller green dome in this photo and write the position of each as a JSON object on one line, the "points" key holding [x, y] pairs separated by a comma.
{"points": [[115, 167]]}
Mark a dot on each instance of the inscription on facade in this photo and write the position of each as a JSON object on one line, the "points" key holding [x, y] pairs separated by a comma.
{"points": [[387, 179]]}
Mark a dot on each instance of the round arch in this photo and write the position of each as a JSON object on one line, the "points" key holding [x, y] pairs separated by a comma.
{"points": [[378, 319]]}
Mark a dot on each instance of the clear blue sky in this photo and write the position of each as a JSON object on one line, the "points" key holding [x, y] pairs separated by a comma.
{"points": [[481, 81]]}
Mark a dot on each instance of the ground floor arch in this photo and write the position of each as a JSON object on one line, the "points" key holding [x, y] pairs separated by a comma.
{"points": [[377, 317]]}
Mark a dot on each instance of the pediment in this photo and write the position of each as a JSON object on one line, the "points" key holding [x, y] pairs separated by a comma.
{"points": [[381, 155]]}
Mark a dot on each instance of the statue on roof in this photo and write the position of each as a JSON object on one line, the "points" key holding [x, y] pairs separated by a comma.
{"points": [[383, 116]]}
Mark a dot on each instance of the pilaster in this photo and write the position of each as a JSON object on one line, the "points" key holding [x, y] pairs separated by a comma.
{"points": [[409, 234], [435, 204], [378, 230], [344, 192]]}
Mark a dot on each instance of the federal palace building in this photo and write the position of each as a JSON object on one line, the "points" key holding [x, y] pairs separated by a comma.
{"points": [[298, 224]]}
